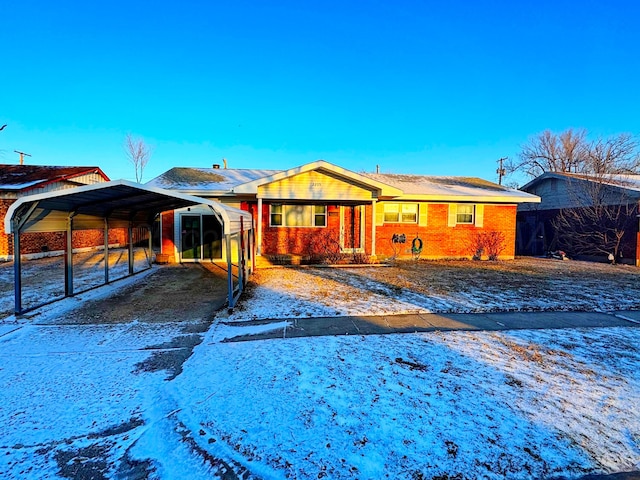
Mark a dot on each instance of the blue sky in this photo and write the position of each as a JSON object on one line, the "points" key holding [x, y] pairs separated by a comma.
{"points": [[438, 88]]}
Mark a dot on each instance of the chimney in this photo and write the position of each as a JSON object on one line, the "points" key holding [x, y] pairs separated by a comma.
{"points": [[224, 161], [377, 168], [216, 166]]}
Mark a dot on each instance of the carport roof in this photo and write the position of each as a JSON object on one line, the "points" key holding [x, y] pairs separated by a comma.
{"points": [[120, 201]]}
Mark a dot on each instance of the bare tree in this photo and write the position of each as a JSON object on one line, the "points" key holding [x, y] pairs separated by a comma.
{"points": [[571, 152], [138, 154], [603, 214], [551, 152], [614, 155]]}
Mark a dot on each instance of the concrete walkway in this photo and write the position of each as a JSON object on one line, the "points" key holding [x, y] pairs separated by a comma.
{"points": [[425, 322]]}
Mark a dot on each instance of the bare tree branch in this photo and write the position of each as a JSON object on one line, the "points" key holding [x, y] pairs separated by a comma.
{"points": [[571, 152], [138, 154]]}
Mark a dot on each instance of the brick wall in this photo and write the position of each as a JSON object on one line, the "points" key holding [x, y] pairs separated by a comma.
{"points": [[167, 241], [6, 244], [295, 240], [441, 241], [31, 243]]}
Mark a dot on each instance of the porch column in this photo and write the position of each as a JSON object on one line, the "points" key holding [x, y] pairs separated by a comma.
{"points": [[373, 227], [259, 232]]}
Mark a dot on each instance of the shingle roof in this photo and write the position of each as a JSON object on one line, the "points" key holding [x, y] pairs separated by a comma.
{"points": [[215, 180], [426, 184], [23, 177]]}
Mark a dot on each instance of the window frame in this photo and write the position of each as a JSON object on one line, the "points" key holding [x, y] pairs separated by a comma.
{"points": [[472, 214], [400, 213], [313, 214]]}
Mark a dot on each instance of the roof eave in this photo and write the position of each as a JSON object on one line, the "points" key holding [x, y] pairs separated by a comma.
{"points": [[507, 199]]}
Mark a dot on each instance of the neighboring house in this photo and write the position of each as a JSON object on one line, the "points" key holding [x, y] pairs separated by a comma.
{"points": [[536, 234], [17, 181], [321, 205]]}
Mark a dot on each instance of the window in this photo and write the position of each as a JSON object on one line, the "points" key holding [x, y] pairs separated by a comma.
{"points": [[401, 213], [298, 215], [465, 213], [276, 215], [320, 216]]}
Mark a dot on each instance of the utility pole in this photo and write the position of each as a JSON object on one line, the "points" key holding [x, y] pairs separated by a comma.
{"points": [[22, 155], [501, 171]]}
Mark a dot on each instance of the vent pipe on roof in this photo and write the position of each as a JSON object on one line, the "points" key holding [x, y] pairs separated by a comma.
{"points": [[224, 161], [377, 168], [216, 166]]}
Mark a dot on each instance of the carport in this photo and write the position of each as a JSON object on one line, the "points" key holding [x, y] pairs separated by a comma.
{"points": [[127, 205]]}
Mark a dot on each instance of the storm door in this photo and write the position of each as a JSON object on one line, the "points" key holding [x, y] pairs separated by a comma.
{"points": [[352, 228]]}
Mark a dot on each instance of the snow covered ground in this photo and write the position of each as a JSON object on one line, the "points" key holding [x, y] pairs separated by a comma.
{"points": [[43, 279], [81, 401], [526, 284]]}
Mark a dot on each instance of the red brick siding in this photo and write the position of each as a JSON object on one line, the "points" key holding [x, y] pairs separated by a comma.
{"points": [[168, 242], [292, 240], [6, 244], [52, 241], [440, 240]]}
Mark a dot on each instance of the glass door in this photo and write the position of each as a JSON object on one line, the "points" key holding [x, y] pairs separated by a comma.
{"points": [[212, 238], [190, 239]]}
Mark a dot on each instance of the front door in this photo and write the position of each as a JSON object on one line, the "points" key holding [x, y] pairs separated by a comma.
{"points": [[351, 228]]}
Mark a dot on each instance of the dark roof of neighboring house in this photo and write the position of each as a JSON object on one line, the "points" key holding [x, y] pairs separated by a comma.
{"points": [[27, 177], [627, 182]]}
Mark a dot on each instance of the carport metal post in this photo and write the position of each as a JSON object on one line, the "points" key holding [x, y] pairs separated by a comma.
{"points": [[68, 258], [150, 247], [106, 250], [229, 270], [130, 248], [17, 268], [241, 265]]}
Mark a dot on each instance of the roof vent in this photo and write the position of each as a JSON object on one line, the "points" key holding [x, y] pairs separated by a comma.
{"points": [[216, 166]]}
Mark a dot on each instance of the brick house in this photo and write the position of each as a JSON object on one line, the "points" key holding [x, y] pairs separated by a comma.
{"points": [[320, 205], [17, 181]]}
